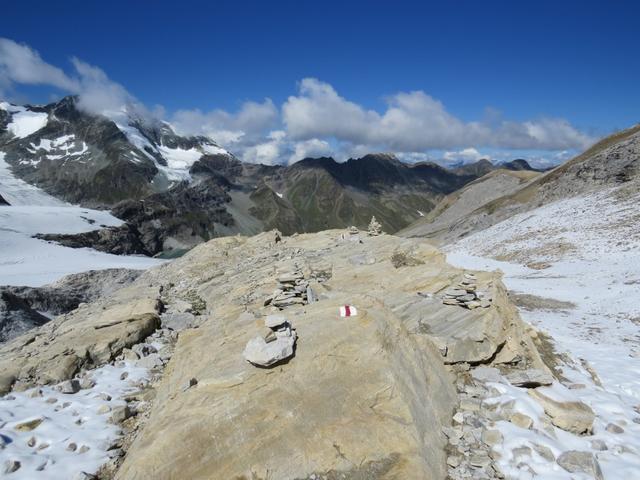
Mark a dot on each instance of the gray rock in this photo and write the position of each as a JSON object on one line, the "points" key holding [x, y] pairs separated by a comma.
{"points": [[178, 321], [613, 428], [275, 320], [152, 360], [486, 374], [11, 466], [87, 383], [120, 413], [580, 462], [259, 352], [455, 292], [143, 349], [69, 386], [311, 295], [531, 378], [599, 445]]}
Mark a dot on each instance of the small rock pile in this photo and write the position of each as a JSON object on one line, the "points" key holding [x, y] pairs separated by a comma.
{"points": [[276, 343], [292, 289], [466, 294], [375, 228]]}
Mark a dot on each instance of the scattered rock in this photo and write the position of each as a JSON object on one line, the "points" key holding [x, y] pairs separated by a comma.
{"points": [[521, 420], [29, 425], [613, 428], [69, 387], [599, 445], [11, 466], [572, 416], [580, 462], [120, 414], [492, 437], [529, 378]]}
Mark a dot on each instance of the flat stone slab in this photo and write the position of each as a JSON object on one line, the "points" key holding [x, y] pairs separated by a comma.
{"points": [[531, 378]]}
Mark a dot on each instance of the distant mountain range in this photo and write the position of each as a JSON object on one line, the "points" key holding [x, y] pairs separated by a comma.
{"points": [[177, 191]]}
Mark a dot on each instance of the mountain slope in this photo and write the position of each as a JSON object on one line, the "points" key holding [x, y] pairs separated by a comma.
{"points": [[613, 161], [320, 193], [455, 206]]}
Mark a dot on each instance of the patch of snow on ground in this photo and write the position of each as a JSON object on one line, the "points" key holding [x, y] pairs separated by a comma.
{"points": [[279, 195], [24, 122], [75, 434], [589, 247]]}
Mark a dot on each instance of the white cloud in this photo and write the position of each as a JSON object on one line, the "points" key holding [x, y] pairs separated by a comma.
{"points": [[315, 121], [466, 155], [310, 148], [228, 128], [413, 122], [21, 64]]}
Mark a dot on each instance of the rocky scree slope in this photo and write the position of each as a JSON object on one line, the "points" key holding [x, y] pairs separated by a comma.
{"points": [[368, 396], [177, 191], [439, 222]]}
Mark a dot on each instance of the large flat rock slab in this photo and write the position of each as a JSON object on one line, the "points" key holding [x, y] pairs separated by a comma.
{"points": [[90, 336]]}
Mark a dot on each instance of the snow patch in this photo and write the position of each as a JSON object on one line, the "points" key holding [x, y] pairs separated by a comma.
{"points": [[24, 122], [585, 252], [75, 433]]}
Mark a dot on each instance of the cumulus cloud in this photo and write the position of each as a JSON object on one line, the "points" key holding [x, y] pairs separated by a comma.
{"points": [[20, 64], [315, 121], [414, 122], [250, 120], [466, 155]]}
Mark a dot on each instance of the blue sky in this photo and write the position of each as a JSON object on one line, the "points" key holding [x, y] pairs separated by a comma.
{"points": [[482, 62]]}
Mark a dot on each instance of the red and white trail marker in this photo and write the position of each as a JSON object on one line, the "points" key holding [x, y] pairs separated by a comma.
{"points": [[348, 311]]}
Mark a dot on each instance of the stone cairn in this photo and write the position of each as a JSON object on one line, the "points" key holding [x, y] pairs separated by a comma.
{"points": [[292, 289], [375, 228], [276, 343], [466, 294]]}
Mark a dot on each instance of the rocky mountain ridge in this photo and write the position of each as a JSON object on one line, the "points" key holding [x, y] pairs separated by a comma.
{"points": [[175, 192]]}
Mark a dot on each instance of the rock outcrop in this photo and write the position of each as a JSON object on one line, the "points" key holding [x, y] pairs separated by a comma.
{"points": [[368, 396], [23, 308], [87, 337]]}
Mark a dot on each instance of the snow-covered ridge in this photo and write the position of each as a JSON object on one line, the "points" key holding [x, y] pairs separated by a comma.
{"points": [[178, 160]]}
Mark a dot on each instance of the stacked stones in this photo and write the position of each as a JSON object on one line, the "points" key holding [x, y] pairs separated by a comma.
{"points": [[375, 228], [276, 343], [465, 294], [292, 289]]}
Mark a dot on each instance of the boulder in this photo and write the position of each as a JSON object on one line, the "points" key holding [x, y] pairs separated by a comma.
{"points": [[570, 415], [178, 321], [69, 387], [580, 462], [261, 353]]}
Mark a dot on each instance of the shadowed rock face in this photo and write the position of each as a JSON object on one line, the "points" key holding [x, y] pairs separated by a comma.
{"points": [[3, 201], [24, 308]]}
